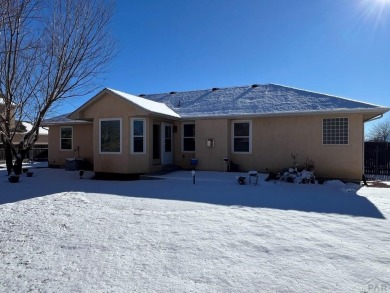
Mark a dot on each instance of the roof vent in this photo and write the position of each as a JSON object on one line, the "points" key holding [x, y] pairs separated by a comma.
{"points": [[178, 104], [142, 95], [214, 89], [172, 93], [255, 85]]}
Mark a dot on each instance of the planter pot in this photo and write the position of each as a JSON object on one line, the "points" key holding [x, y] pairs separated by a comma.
{"points": [[29, 174], [13, 179]]}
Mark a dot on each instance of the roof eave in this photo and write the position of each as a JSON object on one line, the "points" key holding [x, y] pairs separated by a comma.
{"points": [[377, 111], [71, 122], [156, 114]]}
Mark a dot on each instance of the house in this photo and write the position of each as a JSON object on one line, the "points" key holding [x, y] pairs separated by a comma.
{"points": [[257, 127], [39, 150]]}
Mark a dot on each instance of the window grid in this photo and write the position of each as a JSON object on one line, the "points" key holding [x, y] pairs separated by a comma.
{"points": [[138, 136], [189, 137], [335, 131], [242, 139], [66, 142]]}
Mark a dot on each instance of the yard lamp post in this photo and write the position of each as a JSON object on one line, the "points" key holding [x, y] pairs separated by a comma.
{"points": [[193, 176]]}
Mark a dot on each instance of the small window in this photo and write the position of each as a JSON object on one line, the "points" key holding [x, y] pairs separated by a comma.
{"points": [[110, 136], [138, 136], [189, 137], [242, 137], [66, 138], [335, 131]]}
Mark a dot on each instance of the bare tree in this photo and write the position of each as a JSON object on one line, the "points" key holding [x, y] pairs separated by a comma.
{"points": [[380, 132], [50, 50]]}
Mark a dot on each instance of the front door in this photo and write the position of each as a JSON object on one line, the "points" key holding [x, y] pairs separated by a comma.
{"points": [[167, 144]]}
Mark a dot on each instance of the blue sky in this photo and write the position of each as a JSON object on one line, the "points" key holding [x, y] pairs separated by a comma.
{"points": [[339, 47]]}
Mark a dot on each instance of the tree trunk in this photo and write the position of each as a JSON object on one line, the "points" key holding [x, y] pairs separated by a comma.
{"points": [[8, 157], [17, 168]]}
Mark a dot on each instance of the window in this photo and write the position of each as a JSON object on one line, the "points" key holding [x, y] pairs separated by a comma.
{"points": [[242, 137], [110, 136], [138, 136], [188, 137], [66, 138], [168, 138], [335, 131]]}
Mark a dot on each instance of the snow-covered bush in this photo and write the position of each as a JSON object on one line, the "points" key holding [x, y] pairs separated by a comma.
{"points": [[294, 176], [299, 173]]}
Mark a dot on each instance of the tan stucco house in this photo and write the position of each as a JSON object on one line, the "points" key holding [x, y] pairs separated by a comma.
{"points": [[257, 127]]}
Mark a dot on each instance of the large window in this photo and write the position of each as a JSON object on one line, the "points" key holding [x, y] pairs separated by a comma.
{"points": [[110, 136], [242, 136], [188, 137], [138, 136], [66, 138], [335, 131]]}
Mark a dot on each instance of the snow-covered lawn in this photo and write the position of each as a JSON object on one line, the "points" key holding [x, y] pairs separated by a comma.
{"points": [[62, 234]]}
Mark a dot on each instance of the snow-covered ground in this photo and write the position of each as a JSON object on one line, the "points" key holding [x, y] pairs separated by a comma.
{"points": [[62, 234]]}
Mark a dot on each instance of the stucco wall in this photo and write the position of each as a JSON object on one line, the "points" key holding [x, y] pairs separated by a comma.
{"points": [[82, 138], [275, 139], [273, 142], [211, 158], [112, 107]]}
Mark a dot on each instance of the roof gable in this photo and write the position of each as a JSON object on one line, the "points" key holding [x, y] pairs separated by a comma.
{"points": [[147, 104], [153, 107]]}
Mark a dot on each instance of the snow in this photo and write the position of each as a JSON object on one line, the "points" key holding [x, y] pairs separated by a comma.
{"points": [[42, 130], [59, 233], [152, 106], [62, 119], [267, 99]]}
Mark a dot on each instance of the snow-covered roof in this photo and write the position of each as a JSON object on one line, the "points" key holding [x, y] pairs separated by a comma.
{"points": [[42, 130], [268, 99], [62, 119], [147, 104], [252, 100]]}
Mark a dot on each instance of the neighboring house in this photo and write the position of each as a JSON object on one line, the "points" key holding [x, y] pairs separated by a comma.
{"points": [[39, 150], [40, 147], [257, 127]]}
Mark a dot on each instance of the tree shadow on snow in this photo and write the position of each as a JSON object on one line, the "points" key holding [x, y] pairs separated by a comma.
{"points": [[282, 196], [222, 190]]}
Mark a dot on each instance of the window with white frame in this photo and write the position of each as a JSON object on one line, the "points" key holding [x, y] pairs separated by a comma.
{"points": [[110, 136], [138, 141], [335, 131], [242, 136], [188, 137], [66, 140]]}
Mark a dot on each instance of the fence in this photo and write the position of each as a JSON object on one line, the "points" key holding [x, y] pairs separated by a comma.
{"points": [[377, 158], [38, 153]]}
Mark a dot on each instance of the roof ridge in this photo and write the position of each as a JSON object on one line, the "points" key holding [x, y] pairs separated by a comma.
{"points": [[210, 89]]}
